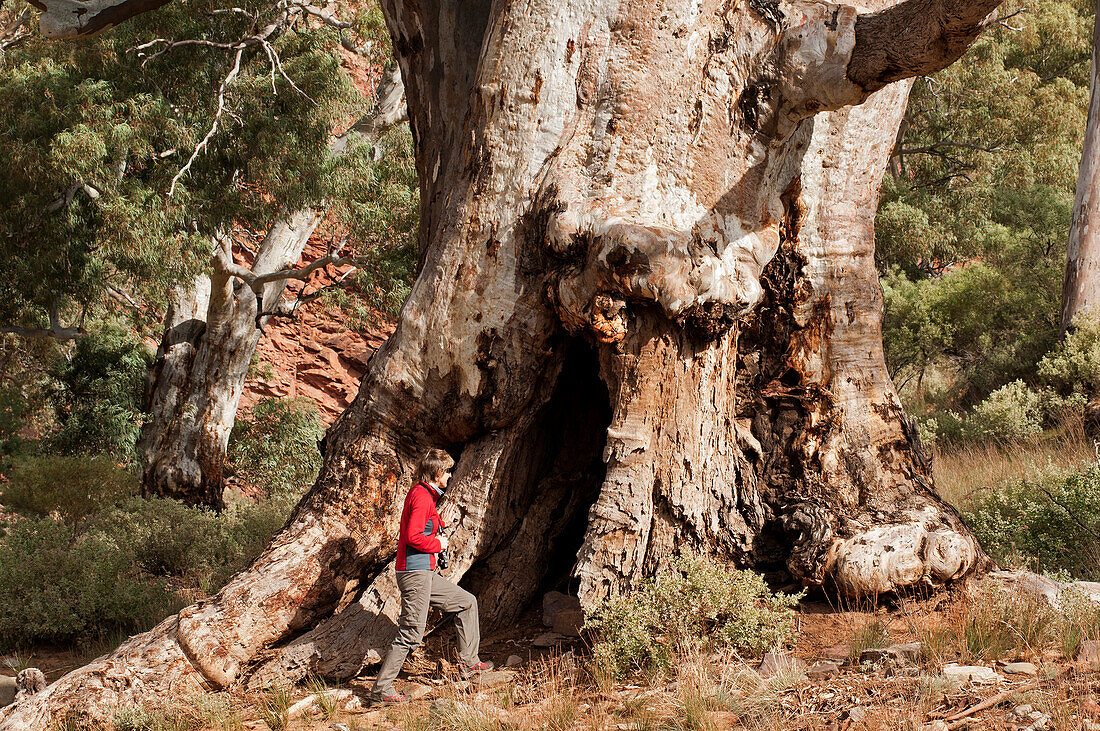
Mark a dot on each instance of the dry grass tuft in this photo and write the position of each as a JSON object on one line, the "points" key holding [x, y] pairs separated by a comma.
{"points": [[960, 471]]}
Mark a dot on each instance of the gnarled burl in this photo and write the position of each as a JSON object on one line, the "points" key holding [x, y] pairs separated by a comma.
{"points": [[647, 320]]}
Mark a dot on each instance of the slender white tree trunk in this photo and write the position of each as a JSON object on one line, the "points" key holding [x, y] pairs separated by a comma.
{"points": [[211, 332], [1081, 287]]}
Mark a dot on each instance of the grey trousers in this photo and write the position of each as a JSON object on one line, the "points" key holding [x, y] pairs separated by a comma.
{"points": [[419, 591]]}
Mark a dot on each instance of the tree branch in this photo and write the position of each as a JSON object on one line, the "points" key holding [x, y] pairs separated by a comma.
{"points": [[81, 19], [915, 38], [214, 125], [56, 330]]}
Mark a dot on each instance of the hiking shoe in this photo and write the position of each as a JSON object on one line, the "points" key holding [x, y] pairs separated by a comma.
{"points": [[468, 671], [385, 700]]}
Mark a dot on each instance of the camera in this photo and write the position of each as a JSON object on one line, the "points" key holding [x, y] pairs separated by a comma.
{"points": [[441, 557]]}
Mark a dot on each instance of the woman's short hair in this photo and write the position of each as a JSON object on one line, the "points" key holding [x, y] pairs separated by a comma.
{"points": [[433, 464]]}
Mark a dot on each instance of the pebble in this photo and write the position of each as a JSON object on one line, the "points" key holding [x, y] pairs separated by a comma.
{"points": [[512, 661], [1089, 651], [1022, 710], [415, 691], [548, 639], [494, 677], [823, 670]]}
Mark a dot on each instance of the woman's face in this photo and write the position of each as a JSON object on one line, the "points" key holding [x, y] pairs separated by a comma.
{"points": [[442, 479]]}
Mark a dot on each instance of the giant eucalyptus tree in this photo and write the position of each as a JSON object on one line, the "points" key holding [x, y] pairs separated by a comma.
{"points": [[646, 321]]}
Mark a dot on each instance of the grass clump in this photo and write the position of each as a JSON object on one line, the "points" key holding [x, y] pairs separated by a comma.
{"points": [[275, 708], [868, 636], [693, 603]]}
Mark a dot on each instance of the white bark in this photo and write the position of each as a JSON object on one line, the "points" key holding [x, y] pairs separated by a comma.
{"points": [[643, 185], [211, 333], [1081, 288]]}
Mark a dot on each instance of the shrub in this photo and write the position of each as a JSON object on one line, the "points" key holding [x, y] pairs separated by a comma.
{"points": [[692, 602], [1054, 518], [73, 486], [1073, 366], [59, 587], [276, 447], [1009, 413], [97, 395], [169, 539]]}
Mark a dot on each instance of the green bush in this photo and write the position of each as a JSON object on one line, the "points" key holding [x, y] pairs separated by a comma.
{"points": [[73, 486], [1072, 368], [275, 448], [169, 539], [97, 395], [128, 567], [59, 587], [694, 602], [1054, 520], [1009, 413]]}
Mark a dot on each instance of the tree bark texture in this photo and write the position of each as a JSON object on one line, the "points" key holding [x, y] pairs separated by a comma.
{"points": [[1081, 286], [647, 322], [211, 332]]}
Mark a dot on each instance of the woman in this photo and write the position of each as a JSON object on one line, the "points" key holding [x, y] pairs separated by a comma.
{"points": [[420, 540]]}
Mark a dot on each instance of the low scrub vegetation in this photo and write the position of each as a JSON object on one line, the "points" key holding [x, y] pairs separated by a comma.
{"points": [[693, 603], [83, 558], [1050, 522]]}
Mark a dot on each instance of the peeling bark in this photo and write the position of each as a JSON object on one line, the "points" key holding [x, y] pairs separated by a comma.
{"points": [[211, 332], [649, 186], [195, 384]]}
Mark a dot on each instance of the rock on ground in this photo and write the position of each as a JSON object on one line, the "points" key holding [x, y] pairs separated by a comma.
{"points": [[775, 663], [7, 690], [972, 673], [1021, 668]]}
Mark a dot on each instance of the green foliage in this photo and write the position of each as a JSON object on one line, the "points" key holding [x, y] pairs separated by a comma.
{"points": [[382, 211], [95, 134], [1011, 412], [1053, 520], [121, 570], [1073, 367], [276, 447], [683, 607], [56, 586], [988, 324], [97, 395], [165, 538], [971, 228], [991, 145], [74, 487]]}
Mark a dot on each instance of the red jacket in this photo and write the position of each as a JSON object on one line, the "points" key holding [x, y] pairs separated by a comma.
{"points": [[417, 543]]}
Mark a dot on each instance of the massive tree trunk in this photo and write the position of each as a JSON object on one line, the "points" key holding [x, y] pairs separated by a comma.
{"points": [[211, 332], [1081, 287], [647, 321]]}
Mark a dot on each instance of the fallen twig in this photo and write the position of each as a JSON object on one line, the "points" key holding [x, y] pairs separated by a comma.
{"points": [[987, 703]]}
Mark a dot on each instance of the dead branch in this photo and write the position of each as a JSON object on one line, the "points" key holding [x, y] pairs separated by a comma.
{"points": [[956, 720], [56, 330], [214, 125]]}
